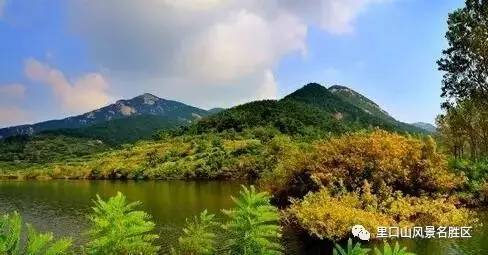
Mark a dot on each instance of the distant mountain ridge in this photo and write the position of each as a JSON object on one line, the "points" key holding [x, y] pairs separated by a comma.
{"points": [[425, 126], [335, 109], [146, 104]]}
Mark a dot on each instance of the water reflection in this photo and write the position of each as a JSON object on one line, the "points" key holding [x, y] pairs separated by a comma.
{"points": [[61, 207]]}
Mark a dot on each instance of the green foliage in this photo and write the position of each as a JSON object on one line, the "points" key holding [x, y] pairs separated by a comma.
{"points": [[356, 249], [36, 243], [463, 130], [121, 131], [116, 228], [360, 101], [464, 60], [289, 117], [252, 226], [350, 249], [464, 125], [11, 227], [39, 243], [312, 111], [198, 236], [208, 156], [396, 250], [350, 110], [47, 148]]}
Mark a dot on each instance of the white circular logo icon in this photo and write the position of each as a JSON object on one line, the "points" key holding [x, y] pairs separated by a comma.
{"points": [[360, 232]]}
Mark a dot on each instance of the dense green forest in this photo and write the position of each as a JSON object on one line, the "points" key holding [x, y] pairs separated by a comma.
{"points": [[121, 131]]}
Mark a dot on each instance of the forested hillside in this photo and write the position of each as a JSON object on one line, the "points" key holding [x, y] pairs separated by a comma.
{"points": [[311, 109]]}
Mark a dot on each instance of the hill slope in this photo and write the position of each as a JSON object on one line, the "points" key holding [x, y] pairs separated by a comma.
{"points": [[174, 112], [360, 101], [425, 126], [310, 107], [120, 131]]}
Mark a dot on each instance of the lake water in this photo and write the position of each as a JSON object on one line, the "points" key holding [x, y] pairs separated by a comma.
{"points": [[61, 206]]}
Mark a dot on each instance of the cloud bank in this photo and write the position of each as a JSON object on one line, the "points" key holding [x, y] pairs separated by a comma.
{"points": [[203, 51], [83, 94]]}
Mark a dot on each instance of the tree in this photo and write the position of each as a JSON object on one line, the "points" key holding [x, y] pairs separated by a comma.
{"points": [[465, 61], [116, 228], [464, 129]]}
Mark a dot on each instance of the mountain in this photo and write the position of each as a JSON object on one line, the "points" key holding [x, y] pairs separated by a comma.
{"points": [[425, 126], [175, 113], [215, 110], [120, 131], [360, 101], [312, 107]]}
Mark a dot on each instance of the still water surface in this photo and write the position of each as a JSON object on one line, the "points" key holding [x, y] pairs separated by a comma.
{"points": [[61, 207]]}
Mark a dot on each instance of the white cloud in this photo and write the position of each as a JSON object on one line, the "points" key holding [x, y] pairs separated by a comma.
{"points": [[242, 44], [333, 16], [83, 94], [185, 49]]}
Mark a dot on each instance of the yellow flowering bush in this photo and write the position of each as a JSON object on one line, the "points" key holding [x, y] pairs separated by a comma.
{"points": [[331, 217], [410, 165], [422, 211], [328, 217]]}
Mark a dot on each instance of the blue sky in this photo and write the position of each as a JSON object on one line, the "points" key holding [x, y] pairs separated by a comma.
{"points": [[59, 58]]}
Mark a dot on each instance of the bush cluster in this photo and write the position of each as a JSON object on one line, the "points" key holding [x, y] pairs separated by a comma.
{"points": [[370, 178]]}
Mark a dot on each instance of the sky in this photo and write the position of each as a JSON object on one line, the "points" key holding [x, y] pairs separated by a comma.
{"points": [[64, 57]]}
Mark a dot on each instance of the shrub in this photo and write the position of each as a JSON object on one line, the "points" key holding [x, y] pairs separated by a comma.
{"points": [[350, 249], [37, 243], [356, 249], [198, 237], [410, 165], [396, 250], [285, 161], [252, 227], [422, 211], [331, 217], [389, 162], [328, 217], [116, 228]]}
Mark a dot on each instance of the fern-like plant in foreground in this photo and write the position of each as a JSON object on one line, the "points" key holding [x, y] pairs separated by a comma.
{"points": [[116, 228], [252, 227], [356, 249], [396, 250], [36, 244], [198, 237], [350, 249]]}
